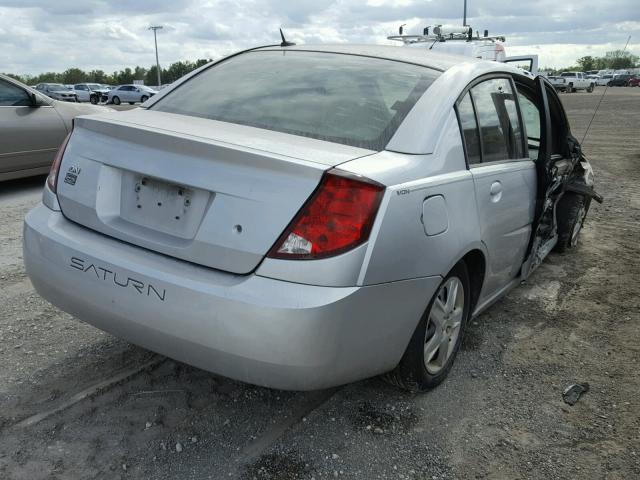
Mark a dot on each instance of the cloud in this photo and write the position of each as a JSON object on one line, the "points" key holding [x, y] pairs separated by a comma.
{"points": [[40, 35]]}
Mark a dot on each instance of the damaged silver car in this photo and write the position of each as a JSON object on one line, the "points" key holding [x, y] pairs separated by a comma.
{"points": [[301, 217]]}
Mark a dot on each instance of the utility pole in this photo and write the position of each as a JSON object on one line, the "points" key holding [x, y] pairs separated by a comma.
{"points": [[155, 39], [464, 21]]}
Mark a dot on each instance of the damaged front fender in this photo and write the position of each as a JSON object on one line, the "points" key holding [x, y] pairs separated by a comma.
{"points": [[581, 181], [572, 173]]}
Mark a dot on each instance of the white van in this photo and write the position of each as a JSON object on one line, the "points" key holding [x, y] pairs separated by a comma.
{"points": [[462, 41]]}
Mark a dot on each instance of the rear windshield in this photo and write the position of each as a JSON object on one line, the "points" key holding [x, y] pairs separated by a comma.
{"points": [[347, 99]]}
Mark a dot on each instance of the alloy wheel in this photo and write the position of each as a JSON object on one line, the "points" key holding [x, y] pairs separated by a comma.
{"points": [[443, 325]]}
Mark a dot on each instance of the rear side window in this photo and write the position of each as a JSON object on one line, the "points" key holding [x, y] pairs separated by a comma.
{"points": [[469, 127], [346, 99], [497, 117]]}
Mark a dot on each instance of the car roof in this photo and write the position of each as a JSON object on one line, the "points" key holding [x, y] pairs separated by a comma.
{"points": [[419, 56]]}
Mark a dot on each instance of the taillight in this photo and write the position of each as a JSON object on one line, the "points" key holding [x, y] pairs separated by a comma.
{"points": [[337, 217], [52, 179]]}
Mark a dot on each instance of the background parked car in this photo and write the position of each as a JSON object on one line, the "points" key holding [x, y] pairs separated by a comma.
{"points": [[91, 92], [634, 81], [604, 79], [33, 126], [620, 80], [57, 91], [131, 94]]}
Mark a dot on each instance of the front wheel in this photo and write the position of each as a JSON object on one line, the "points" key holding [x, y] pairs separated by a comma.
{"points": [[437, 338], [143, 99], [116, 100], [590, 88], [571, 212], [93, 100]]}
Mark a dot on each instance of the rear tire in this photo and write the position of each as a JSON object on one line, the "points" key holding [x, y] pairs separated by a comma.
{"points": [[116, 100], [570, 88], [571, 212], [437, 338], [132, 103]]}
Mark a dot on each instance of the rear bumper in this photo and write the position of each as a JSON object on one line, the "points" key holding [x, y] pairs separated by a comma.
{"points": [[254, 329]]}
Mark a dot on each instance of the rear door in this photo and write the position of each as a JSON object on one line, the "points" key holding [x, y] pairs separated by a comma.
{"points": [[29, 136], [504, 176], [127, 93]]}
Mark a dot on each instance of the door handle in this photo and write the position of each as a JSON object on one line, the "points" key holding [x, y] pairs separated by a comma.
{"points": [[496, 191]]}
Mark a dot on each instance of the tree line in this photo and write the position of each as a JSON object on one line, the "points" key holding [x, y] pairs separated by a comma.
{"points": [[614, 60], [128, 75]]}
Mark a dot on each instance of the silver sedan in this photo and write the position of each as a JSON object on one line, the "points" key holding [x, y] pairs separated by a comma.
{"points": [[130, 94], [303, 217], [57, 91]]}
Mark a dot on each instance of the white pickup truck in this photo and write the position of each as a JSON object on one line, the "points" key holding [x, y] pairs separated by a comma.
{"points": [[575, 81], [559, 83]]}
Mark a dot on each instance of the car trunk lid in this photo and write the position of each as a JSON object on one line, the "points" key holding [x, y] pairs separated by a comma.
{"points": [[208, 192]]}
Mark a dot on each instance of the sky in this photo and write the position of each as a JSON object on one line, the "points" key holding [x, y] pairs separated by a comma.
{"points": [[53, 35]]}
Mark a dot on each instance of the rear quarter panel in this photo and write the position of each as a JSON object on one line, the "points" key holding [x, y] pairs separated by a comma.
{"points": [[399, 248]]}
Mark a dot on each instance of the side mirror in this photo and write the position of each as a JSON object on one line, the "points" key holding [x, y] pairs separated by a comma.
{"points": [[34, 99]]}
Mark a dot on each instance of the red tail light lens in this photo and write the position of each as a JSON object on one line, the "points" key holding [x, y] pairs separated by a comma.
{"points": [[52, 179], [336, 218]]}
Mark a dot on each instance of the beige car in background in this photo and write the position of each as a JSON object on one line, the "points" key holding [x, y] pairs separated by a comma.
{"points": [[32, 127]]}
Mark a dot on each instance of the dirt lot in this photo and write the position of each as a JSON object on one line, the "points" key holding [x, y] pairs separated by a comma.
{"points": [[499, 415]]}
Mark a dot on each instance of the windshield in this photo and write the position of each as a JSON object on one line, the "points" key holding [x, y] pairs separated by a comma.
{"points": [[347, 99], [568, 74], [93, 86], [56, 86]]}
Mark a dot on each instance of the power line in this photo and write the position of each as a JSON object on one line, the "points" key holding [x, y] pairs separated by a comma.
{"points": [[601, 98]]}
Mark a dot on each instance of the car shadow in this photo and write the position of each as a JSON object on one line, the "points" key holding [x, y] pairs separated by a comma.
{"points": [[12, 188]]}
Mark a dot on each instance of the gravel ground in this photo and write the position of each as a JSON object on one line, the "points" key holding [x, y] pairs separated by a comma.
{"points": [[500, 414]]}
